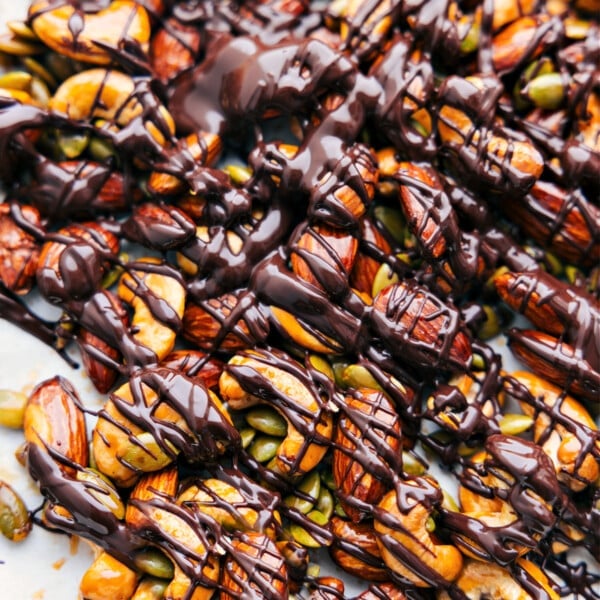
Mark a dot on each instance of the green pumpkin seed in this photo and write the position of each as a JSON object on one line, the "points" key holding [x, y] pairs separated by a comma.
{"points": [[313, 570], [514, 424], [247, 434], [16, 80], [325, 503], [147, 455], [357, 376], [546, 91], [491, 326], [59, 66], [72, 145], [310, 486], [264, 448], [449, 503], [338, 372], [38, 69], [393, 221], [10, 44], [321, 365], [572, 274], [302, 536], [101, 488], [22, 30], [39, 91], [383, 278], [100, 149], [470, 40], [150, 589], [15, 521], [155, 563], [328, 481], [418, 127], [339, 511], [477, 362], [267, 420], [12, 408], [430, 525], [411, 465], [239, 173]]}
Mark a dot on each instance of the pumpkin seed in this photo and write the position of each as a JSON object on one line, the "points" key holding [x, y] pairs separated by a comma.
{"points": [[491, 326], [411, 465], [12, 408], [38, 69], [59, 66], [16, 80], [310, 486], [328, 480], [150, 589], [302, 536], [267, 420], [383, 278], [393, 221], [430, 524], [72, 145], [247, 435], [546, 91], [239, 173], [147, 455], [101, 488], [264, 448], [469, 42], [449, 503], [10, 44], [100, 149], [15, 521], [357, 376], [321, 365], [325, 502], [514, 424], [155, 563], [40, 91], [22, 30]]}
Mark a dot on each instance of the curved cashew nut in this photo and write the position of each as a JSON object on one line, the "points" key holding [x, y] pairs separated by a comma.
{"points": [[104, 94], [560, 444], [155, 297], [480, 580], [407, 547], [309, 426], [55, 24]]}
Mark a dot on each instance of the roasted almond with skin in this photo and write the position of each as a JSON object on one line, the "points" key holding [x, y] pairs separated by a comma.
{"points": [[174, 48], [322, 251], [54, 420], [90, 345], [383, 590], [419, 328], [199, 364], [19, 251], [368, 437], [356, 551], [254, 567], [365, 266]]}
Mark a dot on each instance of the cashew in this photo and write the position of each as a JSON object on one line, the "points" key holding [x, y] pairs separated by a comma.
{"points": [[300, 451], [143, 290], [479, 580], [404, 541], [108, 579], [53, 23]]}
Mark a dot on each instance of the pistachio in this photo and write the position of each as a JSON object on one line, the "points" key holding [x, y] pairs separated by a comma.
{"points": [[264, 448], [267, 420], [155, 563], [15, 522], [357, 376], [239, 173], [12, 408], [514, 424], [321, 365]]}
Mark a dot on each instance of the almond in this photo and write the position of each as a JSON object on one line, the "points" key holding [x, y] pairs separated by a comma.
{"points": [[187, 360], [174, 48], [53, 419]]}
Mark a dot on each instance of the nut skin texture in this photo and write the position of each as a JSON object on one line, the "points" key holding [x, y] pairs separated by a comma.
{"points": [[272, 569], [362, 536], [15, 522], [445, 560], [383, 590], [122, 18], [350, 476], [510, 45], [173, 49], [108, 579], [19, 252], [333, 247], [185, 360], [52, 419]]}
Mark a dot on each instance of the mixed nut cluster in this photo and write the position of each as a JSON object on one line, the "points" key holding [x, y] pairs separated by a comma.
{"points": [[281, 236]]}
